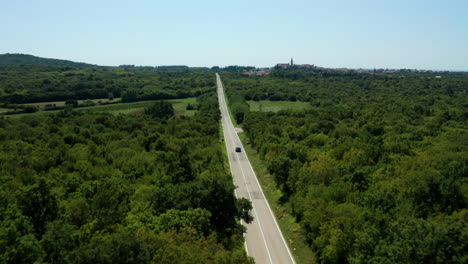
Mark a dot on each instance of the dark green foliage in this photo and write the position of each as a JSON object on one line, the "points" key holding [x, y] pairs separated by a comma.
{"points": [[210, 194], [110, 201], [18, 244], [30, 109], [190, 107], [72, 103], [39, 205], [43, 83], [95, 188], [160, 109], [244, 206], [59, 240], [240, 117], [238, 106], [145, 246], [375, 171], [235, 68], [279, 168], [414, 240]]}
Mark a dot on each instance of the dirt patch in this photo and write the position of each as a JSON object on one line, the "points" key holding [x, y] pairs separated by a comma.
{"points": [[239, 130]]}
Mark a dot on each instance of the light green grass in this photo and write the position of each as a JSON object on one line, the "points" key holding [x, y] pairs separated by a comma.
{"points": [[275, 106], [138, 107], [291, 230], [128, 108], [180, 106]]}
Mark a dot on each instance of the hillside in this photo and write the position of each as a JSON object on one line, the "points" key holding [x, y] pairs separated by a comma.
{"points": [[24, 59]]}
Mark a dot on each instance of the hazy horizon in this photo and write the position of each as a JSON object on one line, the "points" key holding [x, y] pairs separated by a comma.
{"points": [[426, 35]]}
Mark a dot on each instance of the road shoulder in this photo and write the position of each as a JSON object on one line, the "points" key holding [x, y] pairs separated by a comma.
{"points": [[291, 230]]}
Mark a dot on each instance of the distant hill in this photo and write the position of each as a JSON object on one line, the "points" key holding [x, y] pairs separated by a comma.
{"points": [[24, 59]]}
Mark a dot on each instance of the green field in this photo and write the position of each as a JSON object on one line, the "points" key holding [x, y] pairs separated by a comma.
{"points": [[275, 106], [138, 107], [127, 108]]}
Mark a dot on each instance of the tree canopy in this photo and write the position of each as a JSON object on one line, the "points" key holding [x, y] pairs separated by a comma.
{"points": [[375, 171], [44, 83], [96, 188]]}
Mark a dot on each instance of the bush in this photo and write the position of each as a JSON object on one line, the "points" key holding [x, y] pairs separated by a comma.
{"points": [[160, 109], [190, 107], [31, 109]]}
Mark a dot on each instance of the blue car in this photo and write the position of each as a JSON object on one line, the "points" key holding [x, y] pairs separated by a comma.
{"points": [[238, 149]]}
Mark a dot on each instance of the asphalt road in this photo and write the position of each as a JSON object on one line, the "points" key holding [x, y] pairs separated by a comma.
{"points": [[264, 241]]}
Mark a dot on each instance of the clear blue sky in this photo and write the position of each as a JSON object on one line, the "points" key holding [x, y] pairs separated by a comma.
{"points": [[357, 34]]}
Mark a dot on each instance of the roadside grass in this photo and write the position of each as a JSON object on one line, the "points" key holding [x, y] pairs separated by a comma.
{"points": [[275, 106], [291, 230], [126, 108], [234, 121], [224, 149]]}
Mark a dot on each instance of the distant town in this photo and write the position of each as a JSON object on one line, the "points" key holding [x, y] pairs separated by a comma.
{"points": [[292, 66]]}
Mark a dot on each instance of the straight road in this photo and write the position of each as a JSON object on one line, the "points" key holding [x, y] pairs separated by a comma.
{"points": [[264, 241]]}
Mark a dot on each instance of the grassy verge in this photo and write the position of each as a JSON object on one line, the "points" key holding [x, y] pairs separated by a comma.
{"points": [[275, 106], [225, 153], [291, 230], [234, 121]]}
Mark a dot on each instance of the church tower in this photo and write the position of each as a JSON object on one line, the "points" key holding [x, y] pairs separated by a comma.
{"points": [[292, 62]]}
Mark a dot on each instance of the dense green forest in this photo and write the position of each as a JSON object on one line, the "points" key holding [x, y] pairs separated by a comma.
{"points": [[95, 188], [376, 170], [25, 83]]}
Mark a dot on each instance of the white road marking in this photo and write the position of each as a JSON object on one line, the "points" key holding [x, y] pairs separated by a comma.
{"points": [[227, 124], [253, 206], [269, 209]]}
